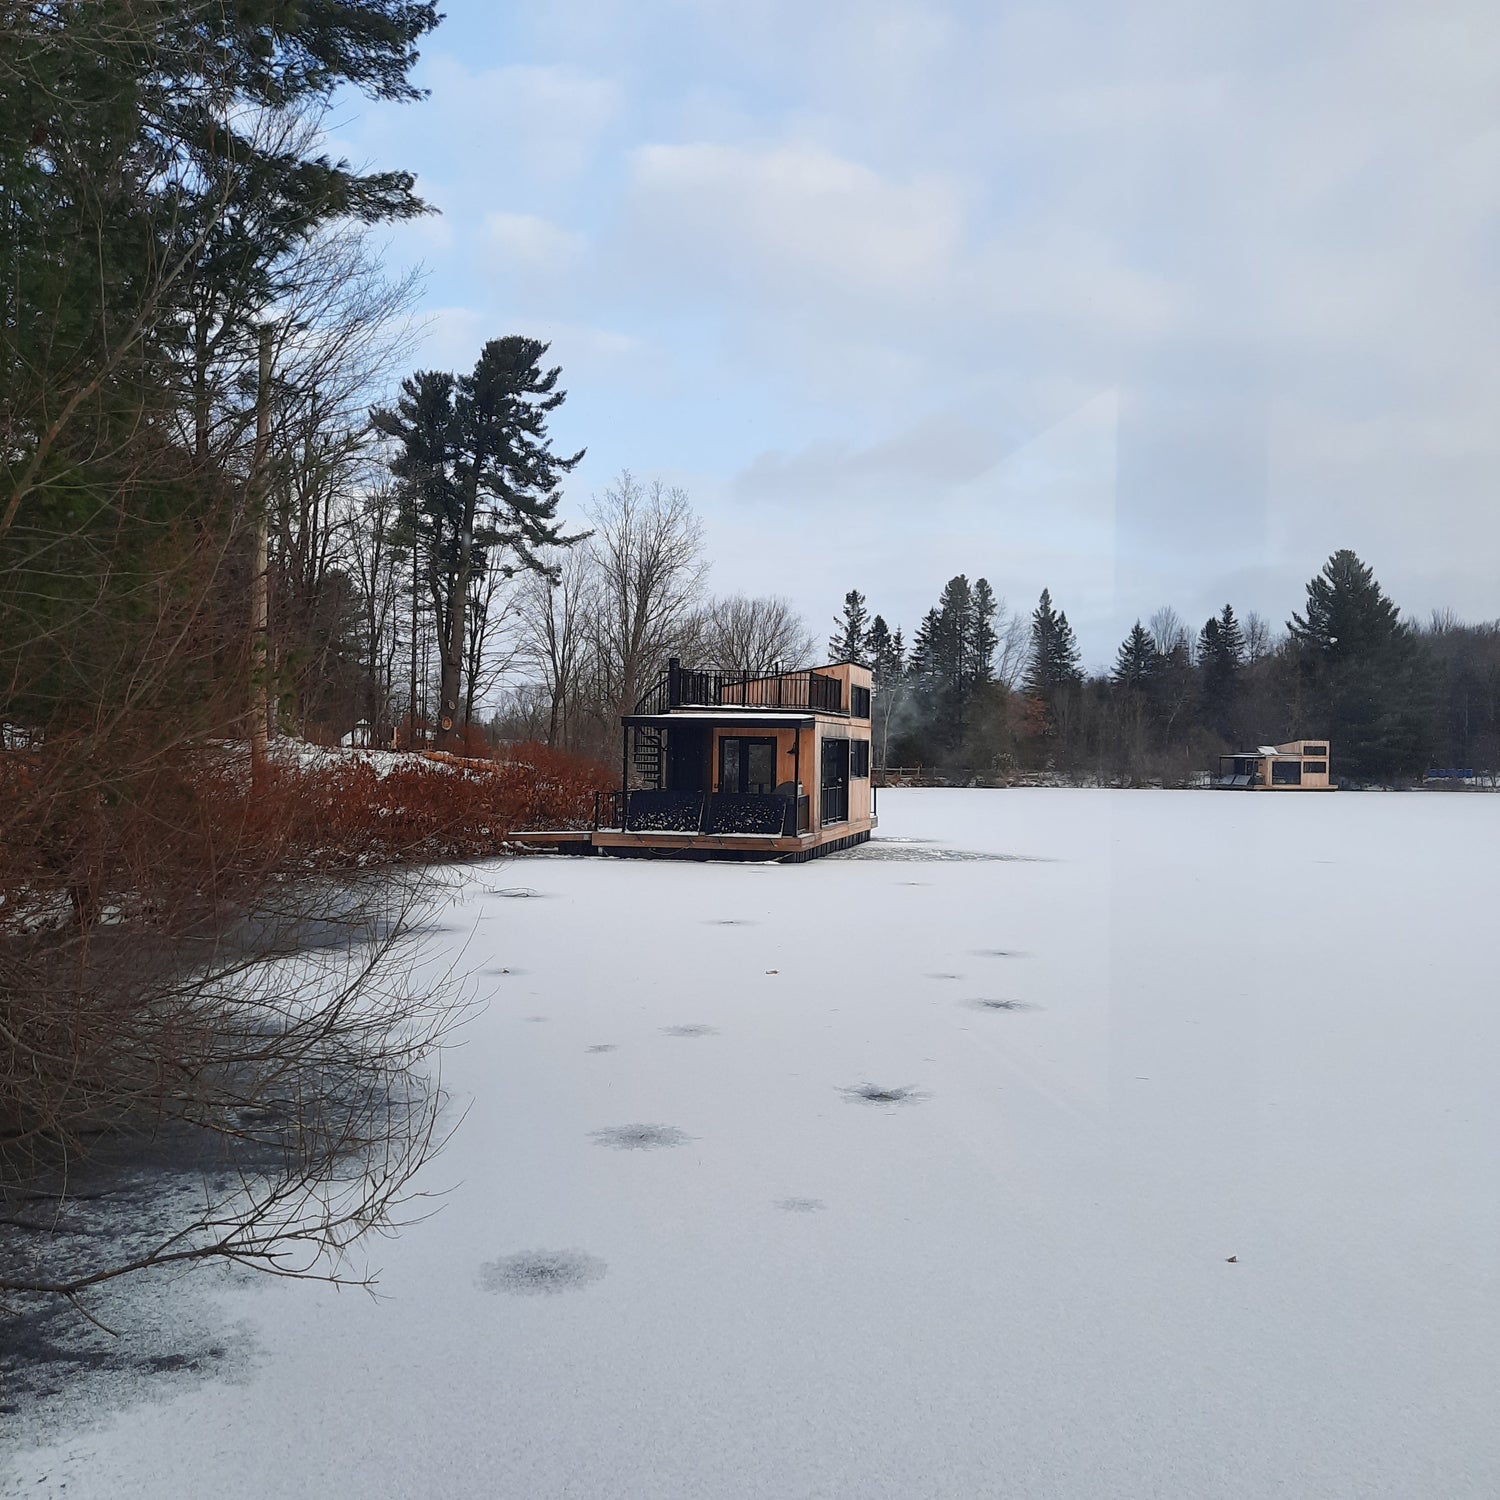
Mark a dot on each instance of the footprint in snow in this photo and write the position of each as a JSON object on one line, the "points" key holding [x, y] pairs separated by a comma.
{"points": [[693, 1030], [1001, 1005]]}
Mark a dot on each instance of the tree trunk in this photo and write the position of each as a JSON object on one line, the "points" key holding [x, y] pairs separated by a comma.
{"points": [[452, 650], [259, 566]]}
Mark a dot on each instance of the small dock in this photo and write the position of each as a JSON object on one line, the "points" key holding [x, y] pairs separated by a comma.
{"points": [[555, 840]]}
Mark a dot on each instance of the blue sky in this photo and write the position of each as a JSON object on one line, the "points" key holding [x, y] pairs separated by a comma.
{"points": [[1147, 304]]}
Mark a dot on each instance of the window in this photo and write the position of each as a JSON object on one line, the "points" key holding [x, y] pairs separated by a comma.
{"points": [[859, 702], [1286, 773], [1315, 767], [1315, 750], [859, 757]]}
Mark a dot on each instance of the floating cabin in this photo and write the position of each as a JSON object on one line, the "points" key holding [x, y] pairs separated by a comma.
{"points": [[729, 765], [1298, 766]]}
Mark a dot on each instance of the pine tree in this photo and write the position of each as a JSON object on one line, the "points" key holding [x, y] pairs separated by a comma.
{"points": [[982, 639], [1054, 661], [888, 674], [923, 647], [850, 640], [955, 628], [1359, 660], [477, 462], [887, 663], [1232, 638], [1137, 662], [1221, 653]]}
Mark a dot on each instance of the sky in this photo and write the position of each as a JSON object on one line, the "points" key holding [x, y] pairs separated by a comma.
{"points": [[1146, 304]]}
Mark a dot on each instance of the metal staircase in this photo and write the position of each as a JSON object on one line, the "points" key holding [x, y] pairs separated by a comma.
{"points": [[647, 754]]}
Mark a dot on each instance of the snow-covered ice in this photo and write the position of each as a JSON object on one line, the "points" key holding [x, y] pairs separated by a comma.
{"points": [[1055, 1144]]}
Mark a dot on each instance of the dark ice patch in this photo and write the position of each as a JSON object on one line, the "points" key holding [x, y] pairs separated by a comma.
{"points": [[874, 1093], [541, 1273], [640, 1137]]}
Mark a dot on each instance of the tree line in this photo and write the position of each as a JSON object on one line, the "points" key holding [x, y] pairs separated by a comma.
{"points": [[984, 690]]}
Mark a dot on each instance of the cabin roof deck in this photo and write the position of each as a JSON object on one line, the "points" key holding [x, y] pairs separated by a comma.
{"points": [[745, 718]]}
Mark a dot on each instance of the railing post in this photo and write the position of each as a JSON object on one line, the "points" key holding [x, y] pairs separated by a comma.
{"points": [[674, 682]]}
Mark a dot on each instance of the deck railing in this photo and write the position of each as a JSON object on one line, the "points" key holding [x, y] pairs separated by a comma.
{"points": [[833, 805], [688, 687], [703, 812]]}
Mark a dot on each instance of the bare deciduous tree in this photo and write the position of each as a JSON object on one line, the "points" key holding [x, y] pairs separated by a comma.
{"points": [[759, 634], [647, 551], [556, 615]]}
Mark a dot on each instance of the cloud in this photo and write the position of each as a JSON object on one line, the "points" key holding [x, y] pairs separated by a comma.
{"points": [[795, 216], [868, 265], [527, 242]]}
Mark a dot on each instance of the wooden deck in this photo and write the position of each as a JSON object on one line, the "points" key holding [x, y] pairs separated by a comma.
{"points": [[622, 844]]}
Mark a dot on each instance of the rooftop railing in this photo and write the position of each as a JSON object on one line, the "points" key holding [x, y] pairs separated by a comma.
{"points": [[687, 687]]}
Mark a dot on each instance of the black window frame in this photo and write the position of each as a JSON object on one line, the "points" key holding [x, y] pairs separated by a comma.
{"points": [[859, 702], [859, 759], [744, 742]]}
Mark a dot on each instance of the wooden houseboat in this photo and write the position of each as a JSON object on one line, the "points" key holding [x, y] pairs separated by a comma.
{"points": [[728, 765], [1297, 766]]}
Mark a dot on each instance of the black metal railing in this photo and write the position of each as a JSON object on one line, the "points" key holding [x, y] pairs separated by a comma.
{"points": [[609, 809], [833, 805], [688, 687], [703, 812]]}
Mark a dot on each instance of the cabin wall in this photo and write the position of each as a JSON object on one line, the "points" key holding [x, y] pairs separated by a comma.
{"points": [[849, 675], [787, 768], [1312, 781], [861, 798]]}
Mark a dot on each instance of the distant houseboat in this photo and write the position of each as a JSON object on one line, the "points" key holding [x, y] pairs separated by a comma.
{"points": [[733, 765], [1298, 766]]}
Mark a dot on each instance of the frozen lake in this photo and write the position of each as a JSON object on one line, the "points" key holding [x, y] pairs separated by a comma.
{"points": [[1237, 1026]]}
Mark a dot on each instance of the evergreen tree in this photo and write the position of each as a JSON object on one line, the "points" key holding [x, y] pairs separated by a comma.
{"points": [[887, 663], [1221, 654], [953, 658], [1054, 660], [1360, 662], [924, 648], [477, 464], [1137, 662], [888, 673], [1231, 637], [850, 638], [982, 639]]}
